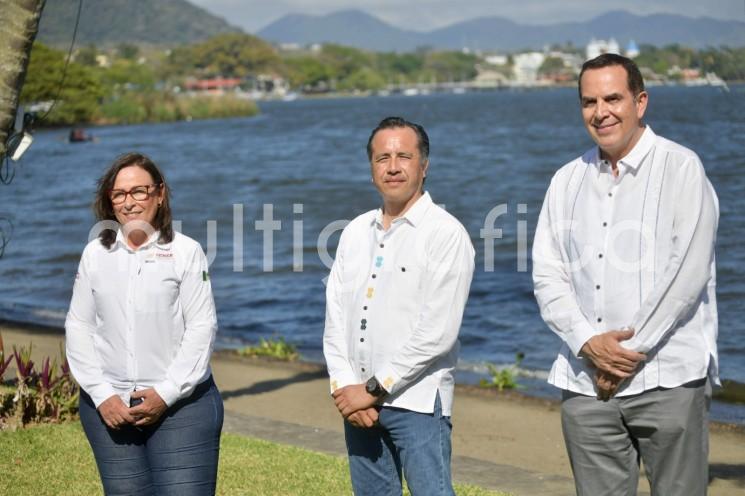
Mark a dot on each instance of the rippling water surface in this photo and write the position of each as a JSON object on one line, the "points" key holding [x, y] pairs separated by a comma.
{"points": [[487, 149]]}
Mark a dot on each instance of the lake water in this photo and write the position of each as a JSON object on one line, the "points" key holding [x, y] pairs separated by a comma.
{"points": [[487, 150]]}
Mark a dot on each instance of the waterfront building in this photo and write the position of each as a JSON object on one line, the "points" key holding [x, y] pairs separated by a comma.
{"points": [[598, 47]]}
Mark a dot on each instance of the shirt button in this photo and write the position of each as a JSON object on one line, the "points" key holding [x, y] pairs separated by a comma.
{"points": [[382, 245], [403, 269], [364, 308], [374, 276], [600, 319], [363, 369], [597, 286], [610, 194], [362, 340], [605, 224], [600, 255]]}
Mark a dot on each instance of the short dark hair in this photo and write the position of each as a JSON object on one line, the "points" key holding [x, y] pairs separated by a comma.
{"points": [[398, 122], [104, 210], [634, 77]]}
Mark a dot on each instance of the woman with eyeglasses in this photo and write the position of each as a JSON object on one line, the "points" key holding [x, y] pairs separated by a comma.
{"points": [[139, 335]]}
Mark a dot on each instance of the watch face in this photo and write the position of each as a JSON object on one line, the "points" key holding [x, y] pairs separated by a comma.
{"points": [[372, 386]]}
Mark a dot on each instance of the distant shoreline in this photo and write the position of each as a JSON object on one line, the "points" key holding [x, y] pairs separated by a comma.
{"points": [[254, 108]]}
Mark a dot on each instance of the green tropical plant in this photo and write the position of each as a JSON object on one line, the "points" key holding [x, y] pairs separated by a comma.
{"points": [[36, 396], [274, 348], [504, 378]]}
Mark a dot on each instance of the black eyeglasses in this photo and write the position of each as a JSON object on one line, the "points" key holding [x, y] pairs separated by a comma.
{"points": [[138, 193]]}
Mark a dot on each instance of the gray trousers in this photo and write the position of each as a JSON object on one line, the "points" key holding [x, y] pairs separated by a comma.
{"points": [[668, 429]]}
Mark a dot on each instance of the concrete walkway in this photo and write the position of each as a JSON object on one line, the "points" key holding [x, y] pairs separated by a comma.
{"points": [[507, 442]]}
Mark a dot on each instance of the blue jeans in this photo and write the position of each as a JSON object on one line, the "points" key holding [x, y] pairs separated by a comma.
{"points": [[176, 456], [418, 443]]}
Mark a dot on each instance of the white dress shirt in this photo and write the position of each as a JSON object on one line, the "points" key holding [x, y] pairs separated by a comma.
{"points": [[634, 251], [141, 319], [394, 304]]}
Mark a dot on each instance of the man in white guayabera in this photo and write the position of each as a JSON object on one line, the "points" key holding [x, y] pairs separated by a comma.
{"points": [[624, 274], [394, 304]]}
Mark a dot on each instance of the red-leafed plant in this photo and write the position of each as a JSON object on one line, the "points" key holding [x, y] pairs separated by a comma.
{"points": [[24, 364], [47, 395], [4, 362], [48, 374]]}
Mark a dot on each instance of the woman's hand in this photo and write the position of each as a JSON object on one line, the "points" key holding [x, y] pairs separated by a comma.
{"points": [[115, 413], [149, 411]]}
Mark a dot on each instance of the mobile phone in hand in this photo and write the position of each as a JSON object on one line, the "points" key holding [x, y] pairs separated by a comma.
{"points": [[135, 401]]}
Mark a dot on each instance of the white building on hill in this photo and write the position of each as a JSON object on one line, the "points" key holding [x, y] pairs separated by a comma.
{"points": [[598, 47], [526, 66]]}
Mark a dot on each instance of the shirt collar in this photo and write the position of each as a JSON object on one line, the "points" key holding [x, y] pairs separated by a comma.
{"points": [[414, 215], [123, 242], [635, 157], [633, 160]]}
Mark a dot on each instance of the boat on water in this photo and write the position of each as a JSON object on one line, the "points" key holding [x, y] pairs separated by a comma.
{"points": [[79, 135]]}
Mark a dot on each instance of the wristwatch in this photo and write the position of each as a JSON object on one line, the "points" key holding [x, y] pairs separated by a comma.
{"points": [[373, 387]]}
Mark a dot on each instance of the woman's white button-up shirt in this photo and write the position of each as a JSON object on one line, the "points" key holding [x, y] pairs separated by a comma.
{"points": [[141, 319]]}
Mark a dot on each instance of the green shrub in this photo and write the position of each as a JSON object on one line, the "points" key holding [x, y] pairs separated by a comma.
{"points": [[274, 348], [137, 108], [505, 378], [123, 110]]}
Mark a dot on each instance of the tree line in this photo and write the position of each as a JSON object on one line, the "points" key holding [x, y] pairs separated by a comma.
{"points": [[137, 84]]}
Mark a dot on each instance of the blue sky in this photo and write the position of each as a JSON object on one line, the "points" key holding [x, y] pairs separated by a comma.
{"points": [[423, 15]]}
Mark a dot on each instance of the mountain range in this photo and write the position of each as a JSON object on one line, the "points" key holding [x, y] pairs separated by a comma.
{"points": [[174, 22], [359, 29], [141, 22]]}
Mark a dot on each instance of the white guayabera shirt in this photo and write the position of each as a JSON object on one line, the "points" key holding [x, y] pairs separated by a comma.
{"points": [[633, 251], [394, 304], [141, 318]]}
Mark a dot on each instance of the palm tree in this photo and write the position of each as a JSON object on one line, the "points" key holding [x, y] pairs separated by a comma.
{"points": [[20, 23]]}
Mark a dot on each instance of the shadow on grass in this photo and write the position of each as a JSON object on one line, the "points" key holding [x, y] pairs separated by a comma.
{"points": [[274, 384], [728, 471]]}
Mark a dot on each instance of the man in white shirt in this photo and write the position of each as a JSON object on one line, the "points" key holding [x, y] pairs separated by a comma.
{"points": [[624, 274], [394, 304]]}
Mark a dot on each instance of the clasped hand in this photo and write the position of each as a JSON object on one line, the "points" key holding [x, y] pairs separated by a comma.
{"points": [[116, 414], [613, 363], [356, 405]]}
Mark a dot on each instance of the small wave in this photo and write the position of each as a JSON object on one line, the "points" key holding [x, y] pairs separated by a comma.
{"points": [[64, 258], [244, 332], [482, 368], [23, 313]]}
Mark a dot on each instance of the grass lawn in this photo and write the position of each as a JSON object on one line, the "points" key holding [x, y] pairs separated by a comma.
{"points": [[56, 460]]}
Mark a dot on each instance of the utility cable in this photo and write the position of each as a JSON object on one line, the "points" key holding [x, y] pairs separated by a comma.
{"points": [[67, 62]]}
